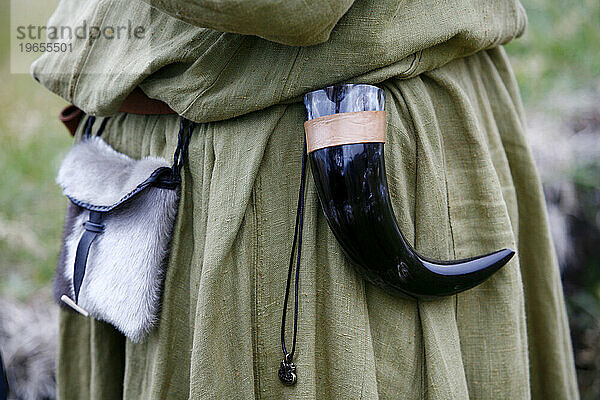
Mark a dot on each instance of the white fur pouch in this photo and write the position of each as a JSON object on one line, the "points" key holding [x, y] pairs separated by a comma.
{"points": [[117, 234]]}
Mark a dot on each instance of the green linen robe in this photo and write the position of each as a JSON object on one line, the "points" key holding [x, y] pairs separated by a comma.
{"points": [[462, 183]]}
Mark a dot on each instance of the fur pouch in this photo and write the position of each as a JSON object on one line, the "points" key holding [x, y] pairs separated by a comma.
{"points": [[117, 235]]}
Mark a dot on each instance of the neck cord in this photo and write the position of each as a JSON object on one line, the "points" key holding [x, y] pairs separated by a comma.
{"points": [[287, 370]]}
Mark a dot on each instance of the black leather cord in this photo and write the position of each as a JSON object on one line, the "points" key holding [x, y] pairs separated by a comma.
{"points": [[287, 369], [87, 133], [183, 140], [102, 126]]}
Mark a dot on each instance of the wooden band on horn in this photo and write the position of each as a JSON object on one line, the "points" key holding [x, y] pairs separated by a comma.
{"points": [[345, 128]]}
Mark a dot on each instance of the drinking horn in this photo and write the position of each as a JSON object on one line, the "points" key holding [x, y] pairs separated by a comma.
{"points": [[345, 135]]}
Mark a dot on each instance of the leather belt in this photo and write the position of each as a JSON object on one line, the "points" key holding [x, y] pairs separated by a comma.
{"points": [[135, 103]]}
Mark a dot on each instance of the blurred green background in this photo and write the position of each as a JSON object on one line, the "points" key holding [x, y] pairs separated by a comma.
{"points": [[557, 64]]}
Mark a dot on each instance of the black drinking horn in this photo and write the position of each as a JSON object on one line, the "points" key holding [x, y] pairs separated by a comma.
{"points": [[345, 133]]}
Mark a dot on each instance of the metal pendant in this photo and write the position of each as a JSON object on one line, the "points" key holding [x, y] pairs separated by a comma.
{"points": [[287, 372]]}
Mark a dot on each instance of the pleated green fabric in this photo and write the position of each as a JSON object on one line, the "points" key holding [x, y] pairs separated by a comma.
{"points": [[462, 183], [212, 60]]}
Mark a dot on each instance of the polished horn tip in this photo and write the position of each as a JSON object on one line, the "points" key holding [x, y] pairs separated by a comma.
{"points": [[447, 278], [508, 253], [504, 254], [500, 257], [492, 261]]}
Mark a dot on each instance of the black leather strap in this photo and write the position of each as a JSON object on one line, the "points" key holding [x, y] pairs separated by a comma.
{"points": [[3, 381], [93, 228], [87, 133]]}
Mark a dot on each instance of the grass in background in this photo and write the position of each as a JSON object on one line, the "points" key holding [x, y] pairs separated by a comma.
{"points": [[557, 65], [560, 50], [32, 142], [32, 205]]}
